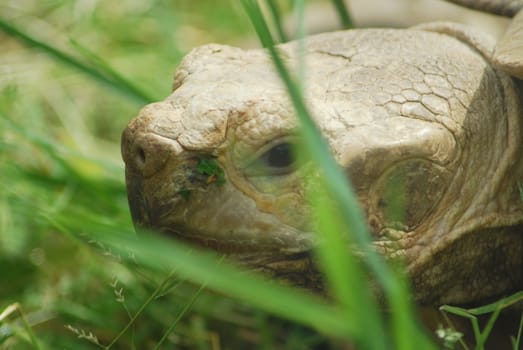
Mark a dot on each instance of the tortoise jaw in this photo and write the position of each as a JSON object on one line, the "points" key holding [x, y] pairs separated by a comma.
{"points": [[244, 250]]}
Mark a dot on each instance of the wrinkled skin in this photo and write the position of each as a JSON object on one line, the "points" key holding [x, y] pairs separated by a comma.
{"points": [[419, 109]]}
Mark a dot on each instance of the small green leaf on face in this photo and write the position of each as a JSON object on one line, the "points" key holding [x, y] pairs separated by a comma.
{"points": [[211, 168]]}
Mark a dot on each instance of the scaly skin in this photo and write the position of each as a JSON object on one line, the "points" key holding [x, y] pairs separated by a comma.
{"points": [[421, 106]]}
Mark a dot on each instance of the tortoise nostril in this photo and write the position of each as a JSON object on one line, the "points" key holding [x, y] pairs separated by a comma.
{"points": [[145, 153]]}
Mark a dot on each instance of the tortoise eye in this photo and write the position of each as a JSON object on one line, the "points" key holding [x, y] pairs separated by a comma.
{"points": [[280, 159], [280, 156]]}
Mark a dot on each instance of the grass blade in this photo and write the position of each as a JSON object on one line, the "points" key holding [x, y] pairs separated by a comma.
{"points": [[140, 310], [200, 267], [343, 273], [119, 85], [516, 341], [497, 305], [275, 13], [343, 13], [336, 184], [335, 180], [493, 308], [115, 77], [180, 316]]}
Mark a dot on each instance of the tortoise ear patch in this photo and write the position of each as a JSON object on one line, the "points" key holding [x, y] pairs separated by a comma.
{"points": [[405, 194]]}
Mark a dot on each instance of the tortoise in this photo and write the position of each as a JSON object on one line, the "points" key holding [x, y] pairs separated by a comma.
{"points": [[436, 108]]}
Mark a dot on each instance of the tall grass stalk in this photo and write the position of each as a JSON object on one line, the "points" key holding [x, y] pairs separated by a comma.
{"points": [[336, 184], [179, 317]]}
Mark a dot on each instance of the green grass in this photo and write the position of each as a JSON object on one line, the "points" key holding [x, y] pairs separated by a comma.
{"points": [[74, 273]]}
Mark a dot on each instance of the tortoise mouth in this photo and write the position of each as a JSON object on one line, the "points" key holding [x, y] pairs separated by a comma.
{"points": [[243, 249], [219, 245]]}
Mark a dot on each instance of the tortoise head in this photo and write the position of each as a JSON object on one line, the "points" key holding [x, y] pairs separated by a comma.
{"points": [[427, 130]]}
